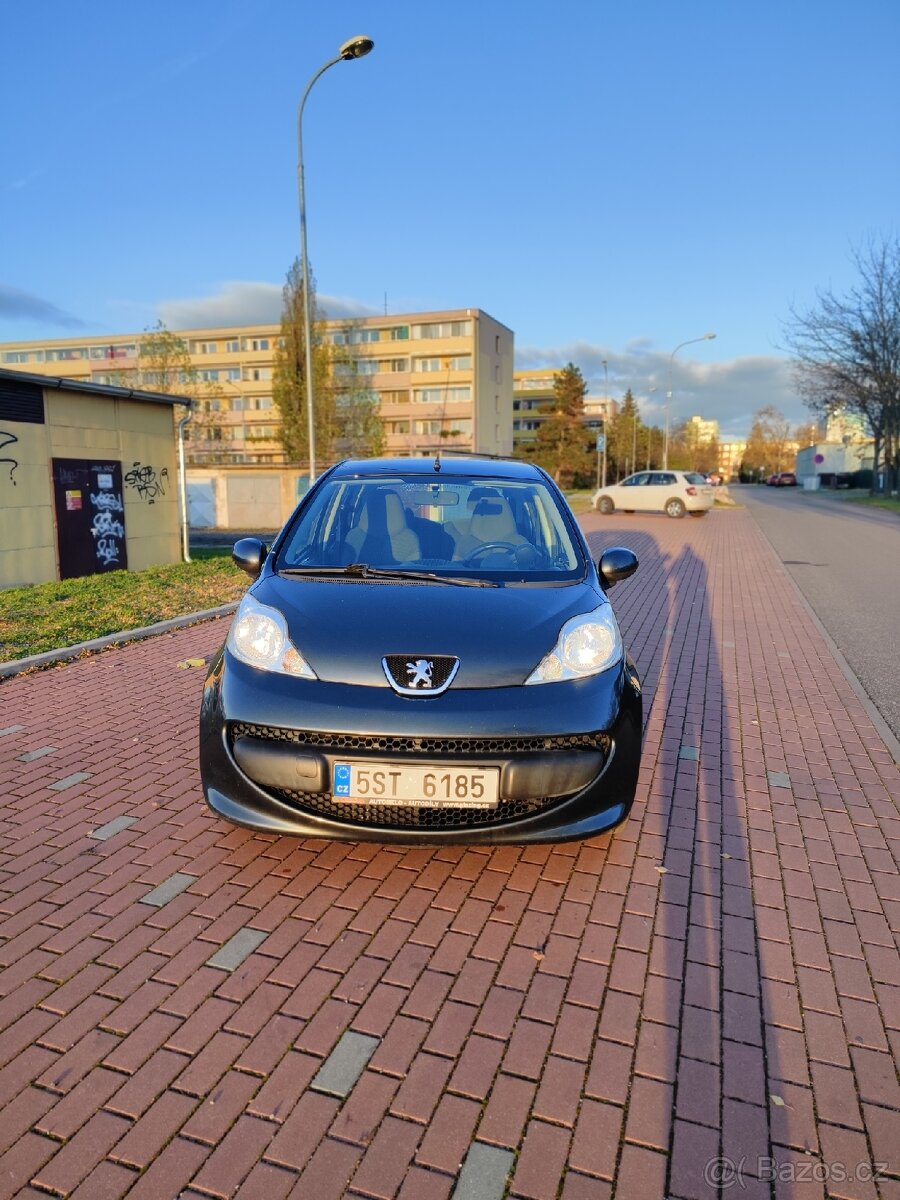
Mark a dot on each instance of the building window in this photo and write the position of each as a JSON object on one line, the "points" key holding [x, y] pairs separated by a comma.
{"points": [[68, 355], [255, 343], [442, 329], [15, 356], [254, 374], [233, 347], [457, 362], [399, 333], [396, 427], [206, 347], [395, 396], [208, 376], [443, 395], [427, 427]]}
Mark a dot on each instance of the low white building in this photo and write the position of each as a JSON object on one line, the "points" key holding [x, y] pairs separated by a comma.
{"points": [[827, 464]]}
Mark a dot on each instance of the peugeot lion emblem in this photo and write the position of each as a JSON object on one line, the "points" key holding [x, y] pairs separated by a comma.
{"points": [[412, 675], [419, 673]]}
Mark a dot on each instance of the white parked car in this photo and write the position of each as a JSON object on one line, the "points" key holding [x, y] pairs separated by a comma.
{"points": [[671, 492]]}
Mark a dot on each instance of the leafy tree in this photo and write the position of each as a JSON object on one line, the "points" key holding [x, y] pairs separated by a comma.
{"points": [[807, 434], [563, 445], [769, 445], [347, 418], [164, 365], [847, 350], [289, 375]]}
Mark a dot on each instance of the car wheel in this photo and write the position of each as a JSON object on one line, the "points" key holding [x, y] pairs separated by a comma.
{"points": [[700, 512], [605, 505], [675, 507]]}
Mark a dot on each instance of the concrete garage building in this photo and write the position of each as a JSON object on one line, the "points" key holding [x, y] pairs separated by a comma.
{"points": [[88, 479]]}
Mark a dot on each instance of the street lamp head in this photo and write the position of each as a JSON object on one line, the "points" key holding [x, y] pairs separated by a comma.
{"points": [[708, 337], [357, 47]]}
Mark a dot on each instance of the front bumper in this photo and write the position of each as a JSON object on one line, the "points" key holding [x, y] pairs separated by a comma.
{"points": [[568, 755]]}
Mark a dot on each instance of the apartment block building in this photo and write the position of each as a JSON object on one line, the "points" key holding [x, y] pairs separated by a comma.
{"points": [[533, 399], [441, 379]]}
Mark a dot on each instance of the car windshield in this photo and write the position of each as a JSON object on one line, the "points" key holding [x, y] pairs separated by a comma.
{"points": [[460, 527]]}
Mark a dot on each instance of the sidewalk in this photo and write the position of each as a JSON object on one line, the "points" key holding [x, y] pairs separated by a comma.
{"points": [[710, 996]]}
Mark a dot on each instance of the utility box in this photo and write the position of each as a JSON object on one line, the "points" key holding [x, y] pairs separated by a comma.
{"points": [[88, 479]]}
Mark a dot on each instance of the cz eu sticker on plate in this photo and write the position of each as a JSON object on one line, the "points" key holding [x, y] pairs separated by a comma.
{"points": [[438, 786]]}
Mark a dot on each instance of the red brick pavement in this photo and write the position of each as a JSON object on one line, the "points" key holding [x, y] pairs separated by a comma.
{"points": [[719, 980]]}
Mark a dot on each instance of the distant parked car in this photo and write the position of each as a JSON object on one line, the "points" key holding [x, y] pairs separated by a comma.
{"points": [[786, 479], [671, 492], [772, 481]]}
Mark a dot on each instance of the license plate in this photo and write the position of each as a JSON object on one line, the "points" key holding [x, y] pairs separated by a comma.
{"points": [[416, 787]]}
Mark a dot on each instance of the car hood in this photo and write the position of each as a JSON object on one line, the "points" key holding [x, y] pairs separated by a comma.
{"points": [[499, 634]]}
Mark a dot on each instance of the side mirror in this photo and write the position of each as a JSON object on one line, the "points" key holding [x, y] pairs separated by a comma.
{"points": [[249, 554], [616, 564]]}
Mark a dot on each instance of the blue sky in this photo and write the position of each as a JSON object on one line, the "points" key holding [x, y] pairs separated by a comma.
{"points": [[608, 180]]}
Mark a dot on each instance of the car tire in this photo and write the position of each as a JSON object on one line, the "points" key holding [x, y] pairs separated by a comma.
{"points": [[700, 512], [605, 506], [675, 507]]}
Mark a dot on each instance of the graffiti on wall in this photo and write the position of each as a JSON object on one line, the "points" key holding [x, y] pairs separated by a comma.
{"points": [[106, 528], [146, 482], [8, 439]]}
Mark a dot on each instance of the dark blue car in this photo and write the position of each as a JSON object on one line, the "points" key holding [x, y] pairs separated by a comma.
{"points": [[427, 654]]}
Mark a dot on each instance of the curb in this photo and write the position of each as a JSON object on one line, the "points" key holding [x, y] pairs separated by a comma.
{"points": [[20, 665]]}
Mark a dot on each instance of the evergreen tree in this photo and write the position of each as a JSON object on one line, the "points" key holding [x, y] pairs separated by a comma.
{"points": [[563, 445]]}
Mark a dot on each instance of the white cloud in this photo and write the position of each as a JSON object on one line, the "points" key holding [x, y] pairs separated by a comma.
{"points": [[728, 392], [241, 303]]}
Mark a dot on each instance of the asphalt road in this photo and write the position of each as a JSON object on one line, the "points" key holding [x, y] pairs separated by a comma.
{"points": [[845, 559]]}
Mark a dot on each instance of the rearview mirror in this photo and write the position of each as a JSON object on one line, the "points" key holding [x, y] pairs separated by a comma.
{"points": [[616, 564], [249, 554]]}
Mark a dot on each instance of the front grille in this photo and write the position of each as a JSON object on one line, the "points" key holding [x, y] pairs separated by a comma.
{"points": [[458, 747], [391, 817]]}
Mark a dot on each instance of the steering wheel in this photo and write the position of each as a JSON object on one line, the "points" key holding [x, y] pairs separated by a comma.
{"points": [[487, 547]]}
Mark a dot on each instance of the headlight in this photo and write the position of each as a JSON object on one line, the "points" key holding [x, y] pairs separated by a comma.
{"points": [[259, 636], [586, 645]]}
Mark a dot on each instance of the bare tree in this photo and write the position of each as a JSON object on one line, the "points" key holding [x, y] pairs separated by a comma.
{"points": [[847, 350]]}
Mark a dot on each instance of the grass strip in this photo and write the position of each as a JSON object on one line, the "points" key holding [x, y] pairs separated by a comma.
{"points": [[53, 616]]}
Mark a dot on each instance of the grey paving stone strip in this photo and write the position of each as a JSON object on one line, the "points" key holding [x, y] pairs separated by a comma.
{"points": [[344, 1065], [70, 781], [11, 729], [689, 752], [111, 828], [237, 948], [484, 1173], [31, 755], [169, 889], [779, 779]]}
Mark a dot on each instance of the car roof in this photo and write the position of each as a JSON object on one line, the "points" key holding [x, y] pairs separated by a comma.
{"points": [[471, 467]]}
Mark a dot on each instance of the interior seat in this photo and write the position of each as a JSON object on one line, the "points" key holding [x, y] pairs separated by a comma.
{"points": [[492, 521], [382, 536]]}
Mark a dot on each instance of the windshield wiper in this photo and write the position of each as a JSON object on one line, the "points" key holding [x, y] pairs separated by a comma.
{"points": [[364, 571]]}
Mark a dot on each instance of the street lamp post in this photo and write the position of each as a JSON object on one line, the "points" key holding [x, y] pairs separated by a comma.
{"points": [[649, 436], [605, 417], [707, 337], [356, 47]]}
